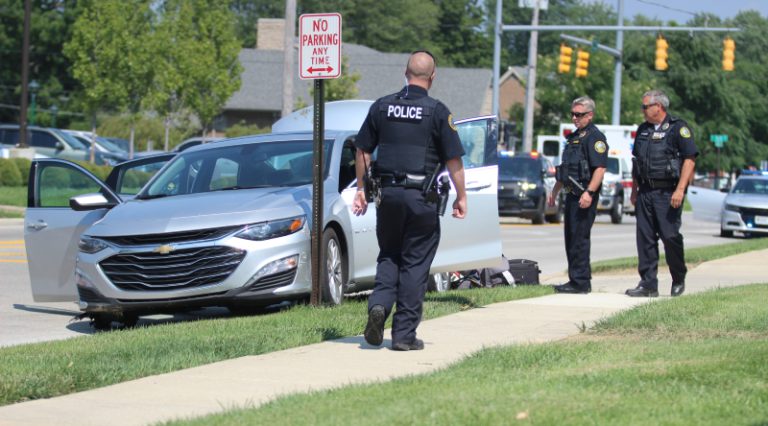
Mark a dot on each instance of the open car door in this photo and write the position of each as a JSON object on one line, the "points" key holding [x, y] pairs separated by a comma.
{"points": [[706, 203], [53, 229], [475, 241]]}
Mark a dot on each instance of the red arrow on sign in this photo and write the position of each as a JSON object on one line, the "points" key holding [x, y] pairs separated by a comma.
{"points": [[313, 70]]}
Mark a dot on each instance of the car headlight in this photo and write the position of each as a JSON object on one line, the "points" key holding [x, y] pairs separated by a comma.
{"points": [[608, 189], [528, 186], [91, 245], [731, 207], [272, 229]]}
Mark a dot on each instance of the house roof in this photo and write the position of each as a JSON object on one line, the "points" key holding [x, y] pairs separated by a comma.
{"points": [[463, 90]]}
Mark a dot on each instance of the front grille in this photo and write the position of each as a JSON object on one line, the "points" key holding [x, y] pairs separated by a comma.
{"points": [[753, 212], [180, 269], [171, 237], [274, 281]]}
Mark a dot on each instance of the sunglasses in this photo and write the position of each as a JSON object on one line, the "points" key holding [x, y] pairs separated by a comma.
{"points": [[648, 106], [579, 114]]}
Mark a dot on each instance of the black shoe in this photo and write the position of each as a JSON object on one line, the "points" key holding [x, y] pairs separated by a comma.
{"points": [[678, 289], [570, 289], [641, 291], [374, 330], [416, 345]]}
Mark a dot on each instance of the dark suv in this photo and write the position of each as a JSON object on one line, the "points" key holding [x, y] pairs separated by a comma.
{"points": [[525, 181]]}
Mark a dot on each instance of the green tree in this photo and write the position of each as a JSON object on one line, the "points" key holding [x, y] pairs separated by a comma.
{"points": [[112, 51]]}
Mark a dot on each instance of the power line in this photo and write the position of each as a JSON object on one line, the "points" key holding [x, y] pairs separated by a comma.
{"points": [[653, 3]]}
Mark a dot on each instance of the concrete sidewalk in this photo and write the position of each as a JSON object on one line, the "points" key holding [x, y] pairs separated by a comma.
{"points": [[253, 380]]}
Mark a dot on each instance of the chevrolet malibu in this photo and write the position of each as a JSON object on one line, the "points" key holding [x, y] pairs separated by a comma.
{"points": [[226, 224]]}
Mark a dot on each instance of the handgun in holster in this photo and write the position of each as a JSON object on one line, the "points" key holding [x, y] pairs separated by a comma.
{"points": [[442, 197], [371, 185]]}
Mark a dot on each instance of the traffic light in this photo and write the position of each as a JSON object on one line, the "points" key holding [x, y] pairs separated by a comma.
{"points": [[566, 56], [661, 54], [582, 63], [729, 47]]}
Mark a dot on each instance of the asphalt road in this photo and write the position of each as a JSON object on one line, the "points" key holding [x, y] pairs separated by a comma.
{"points": [[24, 321]]}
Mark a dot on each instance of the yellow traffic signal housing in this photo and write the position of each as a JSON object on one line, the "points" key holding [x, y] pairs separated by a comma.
{"points": [[566, 56], [661, 54], [729, 49], [582, 63]]}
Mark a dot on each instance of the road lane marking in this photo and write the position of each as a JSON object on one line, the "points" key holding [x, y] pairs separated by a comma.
{"points": [[11, 242], [12, 261], [12, 253]]}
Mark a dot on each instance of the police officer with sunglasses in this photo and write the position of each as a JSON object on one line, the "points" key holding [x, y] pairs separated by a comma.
{"points": [[580, 173], [415, 137], [664, 160]]}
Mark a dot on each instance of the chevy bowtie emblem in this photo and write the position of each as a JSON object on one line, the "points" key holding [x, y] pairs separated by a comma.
{"points": [[164, 249]]}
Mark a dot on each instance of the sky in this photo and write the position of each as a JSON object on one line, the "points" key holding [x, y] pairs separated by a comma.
{"points": [[682, 10]]}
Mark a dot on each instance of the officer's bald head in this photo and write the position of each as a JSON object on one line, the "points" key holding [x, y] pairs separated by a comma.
{"points": [[420, 69]]}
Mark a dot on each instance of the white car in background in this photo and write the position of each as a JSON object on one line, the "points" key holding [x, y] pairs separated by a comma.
{"points": [[743, 209]]}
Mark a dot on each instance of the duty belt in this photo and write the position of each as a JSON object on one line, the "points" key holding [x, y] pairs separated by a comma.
{"points": [[659, 183], [407, 180]]}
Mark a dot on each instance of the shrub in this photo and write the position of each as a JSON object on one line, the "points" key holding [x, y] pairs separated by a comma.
{"points": [[23, 164], [9, 173]]}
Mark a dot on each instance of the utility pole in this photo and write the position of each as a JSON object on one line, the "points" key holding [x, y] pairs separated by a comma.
{"points": [[288, 72], [24, 75], [496, 61], [616, 111], [530, 83]]}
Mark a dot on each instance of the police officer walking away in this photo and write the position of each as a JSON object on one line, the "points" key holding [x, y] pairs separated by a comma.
{"points": [[415, 137], [580, 173], [664, 160]]}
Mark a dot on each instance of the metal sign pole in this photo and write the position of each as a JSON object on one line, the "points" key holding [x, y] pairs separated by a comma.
{"points": [[318, 131]]}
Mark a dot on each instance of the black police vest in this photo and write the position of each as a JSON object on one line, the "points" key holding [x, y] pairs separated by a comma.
{"points": [[405, 136], [658, 158], [575, 162]]}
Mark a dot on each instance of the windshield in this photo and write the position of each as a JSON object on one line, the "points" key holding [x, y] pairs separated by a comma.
{"points": [[71, 140], [613, 165], [751, 186], [253, 165], [520, 168]]}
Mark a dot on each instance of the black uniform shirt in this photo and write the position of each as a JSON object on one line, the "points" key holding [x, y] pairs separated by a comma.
{"points": [[444, 132], [680, 136], [593, 143]]}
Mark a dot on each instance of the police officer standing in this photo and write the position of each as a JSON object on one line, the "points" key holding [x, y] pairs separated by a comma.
{"points": [[664, 160], [415, 137], [580, 173]]}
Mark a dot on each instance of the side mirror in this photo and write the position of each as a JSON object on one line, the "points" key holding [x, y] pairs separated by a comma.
{"points": [[87, 202], [59, 146]]}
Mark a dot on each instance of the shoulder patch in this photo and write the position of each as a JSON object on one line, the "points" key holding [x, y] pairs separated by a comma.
{"points": [[685, 132], [450, 122], [600, 147]]}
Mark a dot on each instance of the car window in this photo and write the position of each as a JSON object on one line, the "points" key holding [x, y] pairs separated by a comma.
{"points": [[551, 148], [613, 165], [478, 137], [751, 186], [135, 178], [69, 139], [253, 165], [520, 168], [41, 139], [58, 184], [10, 136]]}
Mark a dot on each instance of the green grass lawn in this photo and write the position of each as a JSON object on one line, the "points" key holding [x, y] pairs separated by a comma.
{"points": [[13, 196], [693, 360], [6, 214], [48, 369], [693, 256]]}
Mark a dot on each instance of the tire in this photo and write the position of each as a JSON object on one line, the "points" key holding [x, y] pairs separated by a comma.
{"points": [[439, 282], [617, 212], [334, 270], [559, 214], [726, 234], [538, 217], [102, 322], [129, 320]]}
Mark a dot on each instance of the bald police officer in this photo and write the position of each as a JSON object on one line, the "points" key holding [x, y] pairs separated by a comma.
{"points": [[581, 174], [664, 160], [415, 136]]}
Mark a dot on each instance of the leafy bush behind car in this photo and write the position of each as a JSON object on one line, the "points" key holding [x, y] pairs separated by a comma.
{"points": [[9, 173]]}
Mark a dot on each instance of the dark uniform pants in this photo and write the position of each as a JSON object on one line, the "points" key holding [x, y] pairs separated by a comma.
{"points": [[408, 231], [578, 229], [656, 218]]}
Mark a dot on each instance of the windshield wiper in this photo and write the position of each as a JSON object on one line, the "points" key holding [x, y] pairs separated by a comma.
{"points": [[150, 197]]}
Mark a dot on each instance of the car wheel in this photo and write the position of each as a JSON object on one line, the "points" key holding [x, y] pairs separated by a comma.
{"points": [[617, 212], [334, 273], [102, 322], [130, 320], [538, 217], [439, 282], [726, 234]]}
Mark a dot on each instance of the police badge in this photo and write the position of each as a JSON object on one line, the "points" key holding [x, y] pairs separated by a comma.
{"points": [[665, 126]]}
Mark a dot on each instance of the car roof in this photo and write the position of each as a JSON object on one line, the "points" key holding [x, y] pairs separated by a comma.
{"points": [[267, 137], [339, 115]]}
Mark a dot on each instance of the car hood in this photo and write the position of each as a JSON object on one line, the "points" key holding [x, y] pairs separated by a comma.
{"points": [[755, 201], [203, 211], [510, 180]]}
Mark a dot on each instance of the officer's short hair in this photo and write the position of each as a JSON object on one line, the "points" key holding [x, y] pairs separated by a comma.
{"points": [[659, 97], [434, 64], [586, 102]]}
